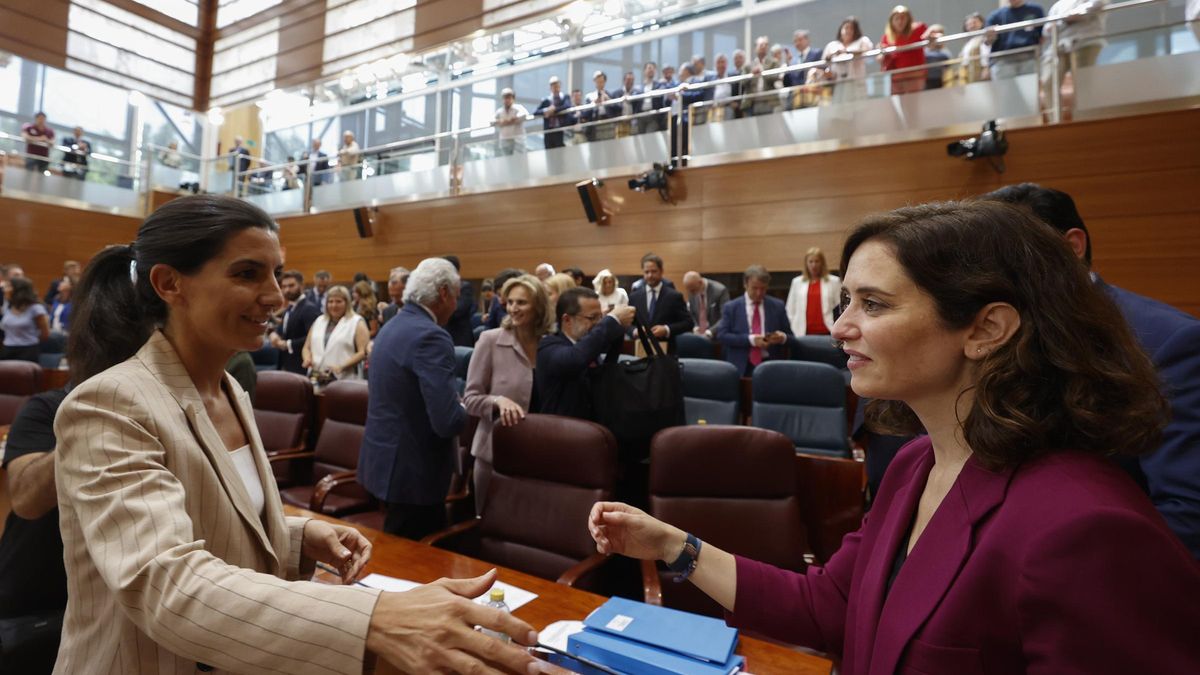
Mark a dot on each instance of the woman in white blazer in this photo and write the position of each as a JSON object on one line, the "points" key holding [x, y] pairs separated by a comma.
{"points": [[828, 289], [177, 552], [337, 341], [500, 377]]}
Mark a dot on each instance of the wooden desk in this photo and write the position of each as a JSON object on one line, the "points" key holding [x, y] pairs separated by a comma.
{"points": [[406, 559]]}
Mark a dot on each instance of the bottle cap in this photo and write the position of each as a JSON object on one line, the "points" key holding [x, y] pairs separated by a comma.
{"points": [[497, 595], [701, 421]]}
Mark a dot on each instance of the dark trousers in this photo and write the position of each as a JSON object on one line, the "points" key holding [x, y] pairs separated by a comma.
{"points": [[29, 353], [414, 521], [29, 644]]}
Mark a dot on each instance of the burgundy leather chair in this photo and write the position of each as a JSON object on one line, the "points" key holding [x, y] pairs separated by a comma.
{"points": [[549, 471], [283, 412], [733, 487], [335, 456], [18, 381]]}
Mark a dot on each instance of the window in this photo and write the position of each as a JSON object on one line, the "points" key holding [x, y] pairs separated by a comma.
{"points": [[10, 82], [132, 33], [84, 48], [181, 10], [69, 100], [232, 11]]}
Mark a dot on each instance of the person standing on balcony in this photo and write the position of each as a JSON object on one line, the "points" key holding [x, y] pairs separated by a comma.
{"points": [[1022, 63], [510, 124], [902, 31], [628, 88], [75, 161], [349, 157], [935, 52], [850, 42], [599, 98], [551, 110], [315, 162], [650, 82], [38, 139]]}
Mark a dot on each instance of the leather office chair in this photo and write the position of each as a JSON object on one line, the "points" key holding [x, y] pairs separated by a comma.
{"points": [[806, 402], [711, 391], [283, 412], [819, 349], [694, 346], [733, 487], [549, 471], [18, 381], [335, 456], [462, 361], [477, 331]]}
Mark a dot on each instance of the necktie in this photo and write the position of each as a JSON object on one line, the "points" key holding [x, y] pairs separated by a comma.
{"points": [[756, 356], [287, 314], [653, 302], [702, 311]]}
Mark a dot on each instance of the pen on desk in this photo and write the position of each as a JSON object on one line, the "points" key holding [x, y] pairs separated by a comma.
{"points": [[333, 571]]}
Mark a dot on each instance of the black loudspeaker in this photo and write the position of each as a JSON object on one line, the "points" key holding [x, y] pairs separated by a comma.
{"points": [[364, 220], [593, 207]]}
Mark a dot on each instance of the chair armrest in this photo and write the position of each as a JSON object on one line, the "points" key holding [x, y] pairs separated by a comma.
{"points": [[326, 485], [579, 569], [286, 451], [651, 585], [449, 532], [288, 456]]}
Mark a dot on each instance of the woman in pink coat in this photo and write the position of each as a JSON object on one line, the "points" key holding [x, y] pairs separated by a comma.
{"points": [[1004, 540]]}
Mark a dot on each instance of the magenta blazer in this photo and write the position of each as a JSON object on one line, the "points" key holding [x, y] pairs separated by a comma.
{"points": [[1059, 566]]}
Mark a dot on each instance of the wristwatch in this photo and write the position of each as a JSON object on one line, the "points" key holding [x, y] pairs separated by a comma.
{"points": [[685, 564]]}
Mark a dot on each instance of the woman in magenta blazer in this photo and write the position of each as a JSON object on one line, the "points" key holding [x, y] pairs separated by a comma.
{"points": [[1004, 541], [500, 378]]}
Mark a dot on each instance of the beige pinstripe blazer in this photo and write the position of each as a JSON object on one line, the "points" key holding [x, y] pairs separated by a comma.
{"points": [[167, 565]]}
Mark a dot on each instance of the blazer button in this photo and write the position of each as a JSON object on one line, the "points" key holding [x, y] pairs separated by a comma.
{"points": [[204, 667]]}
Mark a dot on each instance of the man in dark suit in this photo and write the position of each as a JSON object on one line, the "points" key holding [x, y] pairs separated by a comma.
{"points": [[1171, 473], [397, 280], [754, 327], [459, 326], [316, 294], [414, 413], [319, 162], [289, 336], [563, 359], [660, 307], [706, 299], [551, 110], [71, 270]]}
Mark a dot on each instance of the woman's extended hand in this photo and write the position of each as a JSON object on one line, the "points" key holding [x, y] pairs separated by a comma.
{"points": [[620, 528], [432, 629], [510, 412], [338, 546]]}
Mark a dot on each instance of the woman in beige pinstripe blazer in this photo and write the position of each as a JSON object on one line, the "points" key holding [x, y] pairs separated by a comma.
{"points": [[176, 558]]}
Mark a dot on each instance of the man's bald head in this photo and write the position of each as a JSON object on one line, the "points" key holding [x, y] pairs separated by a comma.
{"points": [[693, 282]]}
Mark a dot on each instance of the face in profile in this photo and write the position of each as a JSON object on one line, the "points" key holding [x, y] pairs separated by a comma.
{"points": [[228, 302], [899, 348]]}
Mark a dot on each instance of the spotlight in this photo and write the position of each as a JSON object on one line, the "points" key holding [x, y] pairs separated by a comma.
{"points": [[654, 179], [990, 143]]}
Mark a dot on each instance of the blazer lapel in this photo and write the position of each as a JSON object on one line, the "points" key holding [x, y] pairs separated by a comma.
{"points": [[936, 560], [160, 358], [507, 338]]}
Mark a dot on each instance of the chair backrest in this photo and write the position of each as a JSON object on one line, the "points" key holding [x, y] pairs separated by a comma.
{"points": [[477, 331], [18, 381], [462, 361], [342, 431], [818, 349], [694, 346], [806, 402], [50, 360], [549, 471], [711, 391], [733, 487], [283, 405]]}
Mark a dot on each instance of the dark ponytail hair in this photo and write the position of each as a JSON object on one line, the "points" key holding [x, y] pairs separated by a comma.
{"points": [[23, 294], [116, 309]]}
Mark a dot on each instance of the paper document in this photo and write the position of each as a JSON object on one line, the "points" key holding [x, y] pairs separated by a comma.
{"points": [[513, 597]]}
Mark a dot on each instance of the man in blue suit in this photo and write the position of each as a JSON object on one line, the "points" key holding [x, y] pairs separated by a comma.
{"points": [[563, 359], [1171, 473], [414, 413], [661, 308], [754, 327]]}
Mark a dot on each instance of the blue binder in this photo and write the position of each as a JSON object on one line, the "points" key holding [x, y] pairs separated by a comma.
{"points": [[642, 639]]}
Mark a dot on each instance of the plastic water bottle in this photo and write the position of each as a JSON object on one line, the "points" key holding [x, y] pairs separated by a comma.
{"points": [[496, 599]]}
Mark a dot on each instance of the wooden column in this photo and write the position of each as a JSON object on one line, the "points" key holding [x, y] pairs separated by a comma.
{"points": [[204, 53]]}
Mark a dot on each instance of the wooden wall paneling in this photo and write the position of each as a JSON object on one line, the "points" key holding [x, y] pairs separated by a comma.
{"points": [[36, 31], [40, 237], [439, 21]]}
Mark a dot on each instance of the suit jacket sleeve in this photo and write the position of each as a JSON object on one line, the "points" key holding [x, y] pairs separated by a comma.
{"points": [[1172, 470], [477, 396], [113, 474], [434, 365], [801, 608], [1087, 614], [678, 320], [571, 361], [725, 330]]}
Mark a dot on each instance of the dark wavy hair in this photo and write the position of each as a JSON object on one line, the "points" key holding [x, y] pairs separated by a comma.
{"points": [[1072, 376], [116, 309], [23, 294]]}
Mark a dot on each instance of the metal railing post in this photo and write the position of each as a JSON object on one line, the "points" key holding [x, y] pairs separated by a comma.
{"points": [[1055, 77]]}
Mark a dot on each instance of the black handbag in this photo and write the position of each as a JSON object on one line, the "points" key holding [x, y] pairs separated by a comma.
{"points": [[638, 398]]}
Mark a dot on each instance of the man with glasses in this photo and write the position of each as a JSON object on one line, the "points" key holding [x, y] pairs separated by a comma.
{"points": [[584, 333]]}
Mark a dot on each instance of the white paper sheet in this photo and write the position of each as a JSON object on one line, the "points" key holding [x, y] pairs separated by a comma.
{"points": [[513, 597]]}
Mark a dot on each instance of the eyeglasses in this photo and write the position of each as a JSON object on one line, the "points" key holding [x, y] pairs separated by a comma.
{"points": [[590, 318]]}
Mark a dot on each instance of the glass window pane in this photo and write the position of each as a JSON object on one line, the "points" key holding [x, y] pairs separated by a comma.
{"points": [[86, 49], [10, 82], [183, 10], [130, 38], [361, 12], [135, 21], [252, 50], [127, 83], [232, 11], [234, 81], [383, 31], [107, 108]]}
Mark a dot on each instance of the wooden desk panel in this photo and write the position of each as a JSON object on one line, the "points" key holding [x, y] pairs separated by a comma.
{"points": [[406, 559]]}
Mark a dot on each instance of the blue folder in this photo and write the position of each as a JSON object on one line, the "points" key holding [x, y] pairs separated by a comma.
{"points": [[634, 637]]}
